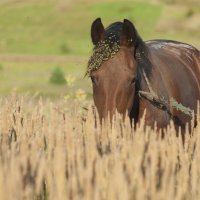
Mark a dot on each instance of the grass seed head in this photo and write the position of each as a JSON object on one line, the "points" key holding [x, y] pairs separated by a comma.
{"points": [[103, 51]]}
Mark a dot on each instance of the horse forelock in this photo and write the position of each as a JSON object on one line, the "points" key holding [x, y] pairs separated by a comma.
{"points": [[106, 48], [110, 45]]}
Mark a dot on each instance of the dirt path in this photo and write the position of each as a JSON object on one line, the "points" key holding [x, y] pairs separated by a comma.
{"points": [[43, 58]]}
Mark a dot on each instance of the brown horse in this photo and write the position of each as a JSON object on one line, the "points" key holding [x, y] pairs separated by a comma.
{"points": [[123, 64]]}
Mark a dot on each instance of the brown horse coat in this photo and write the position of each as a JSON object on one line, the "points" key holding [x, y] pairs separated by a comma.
{"points": [[175, 73], [120, 56]]}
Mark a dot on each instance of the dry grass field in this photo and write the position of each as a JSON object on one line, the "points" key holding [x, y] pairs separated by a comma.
{"points": [[57, 150], [54, 148]]}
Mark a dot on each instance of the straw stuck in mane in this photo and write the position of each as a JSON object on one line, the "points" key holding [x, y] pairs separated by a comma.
{"points": [[106, 48]]}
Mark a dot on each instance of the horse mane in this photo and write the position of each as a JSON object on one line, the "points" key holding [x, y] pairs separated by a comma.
{"points": [[114, 30], [110, 46]]}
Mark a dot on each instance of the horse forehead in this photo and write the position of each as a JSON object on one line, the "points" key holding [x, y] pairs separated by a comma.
{"points": [[120, 62], [124, 57]]}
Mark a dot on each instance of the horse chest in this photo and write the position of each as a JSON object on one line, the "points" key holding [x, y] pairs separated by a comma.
{"points": [[152, 115]]}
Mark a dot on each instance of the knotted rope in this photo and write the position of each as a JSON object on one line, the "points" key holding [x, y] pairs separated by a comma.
{"points": [[163, 103]]}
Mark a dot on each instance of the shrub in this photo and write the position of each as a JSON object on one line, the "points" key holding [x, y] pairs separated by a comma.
{"points": [[57, 76], [189, 13], [64, 48], [1, 67]]}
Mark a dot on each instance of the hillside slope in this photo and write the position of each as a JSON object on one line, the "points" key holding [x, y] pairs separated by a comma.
{"points": [[63, 27]]}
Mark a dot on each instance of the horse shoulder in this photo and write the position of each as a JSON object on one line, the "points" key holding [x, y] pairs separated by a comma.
{"points": [[176, 74]]}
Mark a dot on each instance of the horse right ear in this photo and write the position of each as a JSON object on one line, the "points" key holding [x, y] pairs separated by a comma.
{"points": [[97, 31], [128, 33]]}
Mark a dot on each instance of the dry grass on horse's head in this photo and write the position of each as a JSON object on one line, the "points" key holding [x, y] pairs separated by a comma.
{"points": [[59, 151]]}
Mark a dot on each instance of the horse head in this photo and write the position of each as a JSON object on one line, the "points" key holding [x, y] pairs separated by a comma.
{"points": [[113, 67]]}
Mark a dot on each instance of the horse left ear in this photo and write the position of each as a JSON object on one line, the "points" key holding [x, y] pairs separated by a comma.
{"points": [[128, 33], [97, 31]]}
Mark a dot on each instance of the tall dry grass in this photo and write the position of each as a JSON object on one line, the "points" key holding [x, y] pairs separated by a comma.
{"points": [[58, 151]]}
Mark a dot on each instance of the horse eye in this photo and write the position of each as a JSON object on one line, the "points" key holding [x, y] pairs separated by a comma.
{"points": [[133, 81], [93, 79]]}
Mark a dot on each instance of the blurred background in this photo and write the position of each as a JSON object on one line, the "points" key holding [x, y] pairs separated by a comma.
{"points": [[45, 44]]}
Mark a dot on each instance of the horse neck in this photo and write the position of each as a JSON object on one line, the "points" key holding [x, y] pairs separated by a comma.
{"points": [[141, 85], [136, 108]]}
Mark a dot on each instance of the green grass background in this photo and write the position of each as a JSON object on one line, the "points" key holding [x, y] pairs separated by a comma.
{"points": [[62, 28]]}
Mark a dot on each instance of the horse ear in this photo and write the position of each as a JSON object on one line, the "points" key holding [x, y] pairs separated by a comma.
{"points": [[128, 33], [97, 31]]}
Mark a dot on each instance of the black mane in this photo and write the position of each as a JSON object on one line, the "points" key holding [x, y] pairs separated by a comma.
{"points": [[112, 32]]}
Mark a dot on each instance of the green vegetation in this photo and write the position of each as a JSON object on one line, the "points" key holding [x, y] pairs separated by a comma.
{"points": [[33, 78], [57, 76], [1, 67], [144, 15], [51, 27], [48, 27]]}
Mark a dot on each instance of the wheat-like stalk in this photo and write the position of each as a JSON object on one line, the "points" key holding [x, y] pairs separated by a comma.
{"points": [[59, 151]]}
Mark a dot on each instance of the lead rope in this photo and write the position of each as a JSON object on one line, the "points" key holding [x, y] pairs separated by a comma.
{"points": [[148, 84], [162, 103]]}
